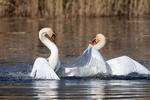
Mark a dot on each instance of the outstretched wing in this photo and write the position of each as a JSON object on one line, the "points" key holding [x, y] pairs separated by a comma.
{"points": [[140, 68], [124, 65], [42, 70]]}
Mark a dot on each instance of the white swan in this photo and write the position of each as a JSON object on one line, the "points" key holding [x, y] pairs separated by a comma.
{"points": [[123, 65], [45, 68], [89, 64]]}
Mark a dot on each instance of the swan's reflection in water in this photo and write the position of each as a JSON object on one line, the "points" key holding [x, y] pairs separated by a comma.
{"points": [[91, 89], [46, 89], [66, 89]]}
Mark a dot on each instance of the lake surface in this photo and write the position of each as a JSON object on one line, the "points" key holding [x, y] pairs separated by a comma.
{"points": [[20, 46]]}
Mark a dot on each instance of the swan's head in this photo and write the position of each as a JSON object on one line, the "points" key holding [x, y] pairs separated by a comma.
{"points": [[99, 41], [47, 31]]}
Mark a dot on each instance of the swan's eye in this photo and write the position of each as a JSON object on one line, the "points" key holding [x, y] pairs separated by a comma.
{"points": [[94, 42]]}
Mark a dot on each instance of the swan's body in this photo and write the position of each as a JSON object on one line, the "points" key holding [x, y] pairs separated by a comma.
{"points": [[123, 65], [90, 63], [42, 70], [45, 68]]}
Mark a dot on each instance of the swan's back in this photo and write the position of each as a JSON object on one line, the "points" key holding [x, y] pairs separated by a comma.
{"points": [[42, 70], [90, 63]]}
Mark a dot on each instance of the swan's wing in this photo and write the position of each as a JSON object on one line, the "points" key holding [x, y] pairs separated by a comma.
{"points": [[90, 63], [140, 68], [121, 66], [42, 70], [124, 65]]}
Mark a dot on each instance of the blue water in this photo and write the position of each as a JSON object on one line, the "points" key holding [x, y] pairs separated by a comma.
{"points": [[15, 83]]}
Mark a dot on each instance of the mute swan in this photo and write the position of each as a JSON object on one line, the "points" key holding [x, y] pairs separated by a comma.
{"points": [[45, 68], [89, 64], [123, 65]]}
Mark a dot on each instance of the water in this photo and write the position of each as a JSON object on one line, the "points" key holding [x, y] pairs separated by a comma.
{"points": [[19, 47], [81, 89]]}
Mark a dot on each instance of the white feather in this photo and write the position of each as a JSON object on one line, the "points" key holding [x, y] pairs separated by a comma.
{"points": [[124, 65], [42, 70], [90, 63]]}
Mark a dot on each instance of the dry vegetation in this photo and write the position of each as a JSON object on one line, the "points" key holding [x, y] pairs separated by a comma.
{"points": [[73, 8]]}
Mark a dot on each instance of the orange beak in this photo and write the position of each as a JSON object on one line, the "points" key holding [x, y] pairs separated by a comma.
{"points": [[53, 37], [94, 43]]}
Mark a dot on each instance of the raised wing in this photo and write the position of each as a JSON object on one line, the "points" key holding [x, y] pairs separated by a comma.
{"points": [[42, 70], [90, 63], [124, 65]]}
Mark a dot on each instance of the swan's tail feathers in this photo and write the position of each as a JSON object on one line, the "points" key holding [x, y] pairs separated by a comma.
{"points": [[42, 70]]}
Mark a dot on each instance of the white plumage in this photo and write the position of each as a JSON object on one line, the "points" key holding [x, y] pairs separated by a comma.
{"points": [[45, 68], [90, 63], [42, 70], [124, 65]]}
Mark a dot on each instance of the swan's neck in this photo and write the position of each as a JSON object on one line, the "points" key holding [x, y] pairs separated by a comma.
{"points": [[100, 44], [53, 58]]}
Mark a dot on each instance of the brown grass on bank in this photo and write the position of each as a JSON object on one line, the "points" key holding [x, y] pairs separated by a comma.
{"points": [[73, 8]]}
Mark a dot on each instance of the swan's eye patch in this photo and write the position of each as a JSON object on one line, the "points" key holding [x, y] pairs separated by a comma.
{"points": [[94, 42]]}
